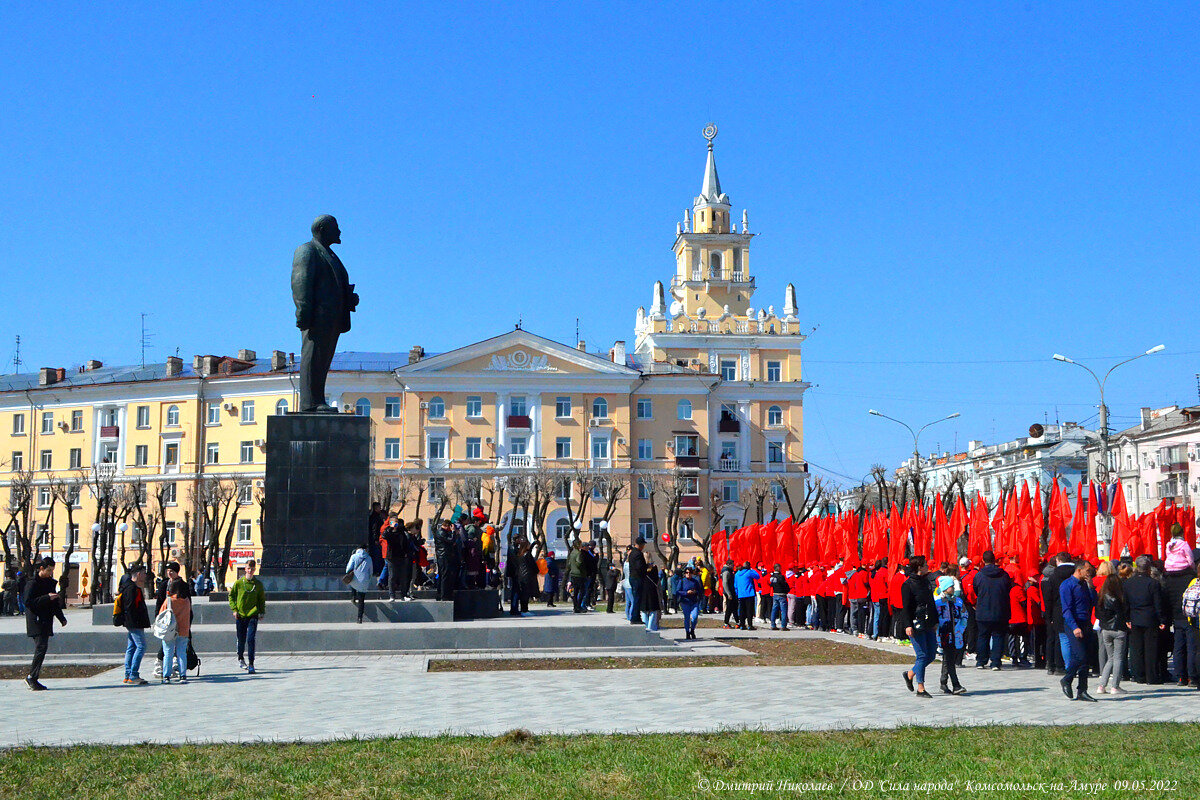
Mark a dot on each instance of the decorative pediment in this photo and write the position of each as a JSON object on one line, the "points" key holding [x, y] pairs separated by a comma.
{"points": [[518, 352]]}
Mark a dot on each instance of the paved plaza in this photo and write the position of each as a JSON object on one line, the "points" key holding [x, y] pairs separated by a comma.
{"points": [[314, 698]]}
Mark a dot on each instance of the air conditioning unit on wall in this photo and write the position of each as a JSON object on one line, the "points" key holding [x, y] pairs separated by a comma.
{"points": [[594, 422]]}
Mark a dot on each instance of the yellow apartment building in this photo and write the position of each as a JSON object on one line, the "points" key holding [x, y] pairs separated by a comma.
{"points": [[705, 404]]}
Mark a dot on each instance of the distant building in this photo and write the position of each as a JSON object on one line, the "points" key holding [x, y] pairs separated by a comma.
{"points": [[1157, 459]]}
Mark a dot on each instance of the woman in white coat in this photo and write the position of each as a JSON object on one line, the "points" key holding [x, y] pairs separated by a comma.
{"points": [[358, 578]]}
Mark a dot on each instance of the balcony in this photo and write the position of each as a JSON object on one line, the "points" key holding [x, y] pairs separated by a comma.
{"points": [[776, 466], [436, 463], [1178, 466], [106, 470], [689, 501], [521, 461], [730, 465], [601, 463], [519, 422], [729, 424], [110, 431], [687, 462]]}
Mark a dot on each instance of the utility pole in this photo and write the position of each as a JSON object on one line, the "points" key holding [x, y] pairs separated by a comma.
{"points": [[17, 362]]}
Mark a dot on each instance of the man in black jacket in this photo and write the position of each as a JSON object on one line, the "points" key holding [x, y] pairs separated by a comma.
{"points": [[397, 557], [1148, 613], [136, 620], [42, 605], [992, 586], [637, 574], [1064, 569]]}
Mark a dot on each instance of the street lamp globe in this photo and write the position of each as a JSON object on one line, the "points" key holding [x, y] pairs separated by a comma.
{"points": [[96, 527]]}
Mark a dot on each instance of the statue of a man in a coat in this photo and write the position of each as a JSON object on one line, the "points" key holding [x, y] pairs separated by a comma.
{"points": [[324, 299]]}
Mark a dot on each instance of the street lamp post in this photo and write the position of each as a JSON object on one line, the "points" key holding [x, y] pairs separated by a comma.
{"points": [[1102, 470], [916, 436]]}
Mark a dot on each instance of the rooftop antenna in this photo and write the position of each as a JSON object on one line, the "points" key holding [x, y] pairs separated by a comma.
{"points": [[1197, 379], [146, 337], [577, 342], [17, 362]]}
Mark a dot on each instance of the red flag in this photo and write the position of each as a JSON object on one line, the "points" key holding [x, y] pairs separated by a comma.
{"points": [[1059, 509], [941, 532], [1122, 525]]}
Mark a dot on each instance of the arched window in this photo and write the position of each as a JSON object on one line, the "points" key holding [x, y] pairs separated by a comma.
{"points": [[684, 409], [600, 408], [281, 407], [714, 263], [562, 529], [363, 407], [774, 416], [437, 408], [173, 416]]}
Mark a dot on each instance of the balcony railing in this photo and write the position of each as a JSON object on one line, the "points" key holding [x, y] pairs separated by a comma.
{"points": [[729, 425], [1178, 466], [730, 465], [110, 431], [436, 463], [520, 421], [776, 466], [106, 470], [521, 461], [689, 501], [687, 462]]}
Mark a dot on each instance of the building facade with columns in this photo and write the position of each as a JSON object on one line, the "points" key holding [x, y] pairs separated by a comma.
{"points": [[709, 398]]}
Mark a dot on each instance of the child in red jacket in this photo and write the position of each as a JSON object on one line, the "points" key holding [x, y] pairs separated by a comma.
{"points": [[1018, 621]]}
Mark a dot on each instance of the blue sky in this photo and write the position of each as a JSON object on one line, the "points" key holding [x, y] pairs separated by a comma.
{"points": [[957, 192]]}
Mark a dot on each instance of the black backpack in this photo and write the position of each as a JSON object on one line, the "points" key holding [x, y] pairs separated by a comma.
{"points": [[193, 660]]}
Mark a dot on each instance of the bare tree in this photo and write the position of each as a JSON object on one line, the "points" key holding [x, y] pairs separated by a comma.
{"points": [[107, 494], [67, 489], [666, 492], [382, 490], [756, 496], [583, 480], [215, 499], [612, 487], [20, 502], [715, 515], [803, 497], [543, 484]]}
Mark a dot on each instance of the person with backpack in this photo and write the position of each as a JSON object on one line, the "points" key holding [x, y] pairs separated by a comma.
{"points": [[130, 611], [358, 571], [174, 627], [952, 627], [160, 597], [248, 600], [42, 605], [1179, 570], [779, 593], [1191, 615]]}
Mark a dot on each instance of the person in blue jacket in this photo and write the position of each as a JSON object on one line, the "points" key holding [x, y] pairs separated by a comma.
{"points": [[1078, 598], [689, 594], [952, 626], [743, 583]]}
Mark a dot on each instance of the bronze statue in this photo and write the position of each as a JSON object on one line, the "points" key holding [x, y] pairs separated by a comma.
{"points": [[324, 299]]}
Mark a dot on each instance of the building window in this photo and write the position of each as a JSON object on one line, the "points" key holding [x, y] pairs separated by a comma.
{"points": [[73, 532], [683, 410], [777, 492], [562, 529], [728, 369], [646, 529], [774, 416], [562, 407], [245, 493], [75, 457], [247, 452], [142, 494], [212, 453], [729, 491], [687, 530], [518, 447], [474, 406], [281, 407], [474, 448], [169, 494], [172, 417], [687, 445], [47, 422], [171, 455], [437, 488], [562, 447], [391, 449], [391, 408], [600, 408], [141, 455], [362, 408], [18, 461], [600, 448], [645, 449], [645, 409], [46, 460], [563, 489], [437, 408], [18, 424], [43, 535], [169, 532], [214, 414], [775, 452], [714, 263], [774, 371], [437, 448], [143, 416], [76, 421], [728, 450], [247, 412], [43, 497], [517, 407], [643, 489], [691, 486]]}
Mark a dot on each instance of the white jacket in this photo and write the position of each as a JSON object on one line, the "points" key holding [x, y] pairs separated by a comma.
{"points": [[360, 565]]}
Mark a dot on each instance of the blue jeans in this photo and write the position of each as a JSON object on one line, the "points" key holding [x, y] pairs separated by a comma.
{"points": [[876, 617], [175, 654], [1074, 651], [135, 648], [814, 615], [990, 644], [628, 604], [924, 645], [779, 609], [247, 630], [651, 620], [691, 613], [635, 614]]}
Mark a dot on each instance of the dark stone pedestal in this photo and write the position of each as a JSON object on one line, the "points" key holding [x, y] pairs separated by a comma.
{"points": [[317, 495], [476, 603]]}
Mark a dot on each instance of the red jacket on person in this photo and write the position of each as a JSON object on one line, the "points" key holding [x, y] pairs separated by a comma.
{"points": [[1016, 605], [967, 579], [894, 597], [859, 585], [879, 585], [1033, 603]]}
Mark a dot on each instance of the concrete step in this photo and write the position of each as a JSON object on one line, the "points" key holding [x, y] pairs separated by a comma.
{"points": [[223, 597], [498, 635], [315, 612]]}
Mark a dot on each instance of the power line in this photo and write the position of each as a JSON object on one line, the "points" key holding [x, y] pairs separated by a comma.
{"points": [[987, 361]]}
